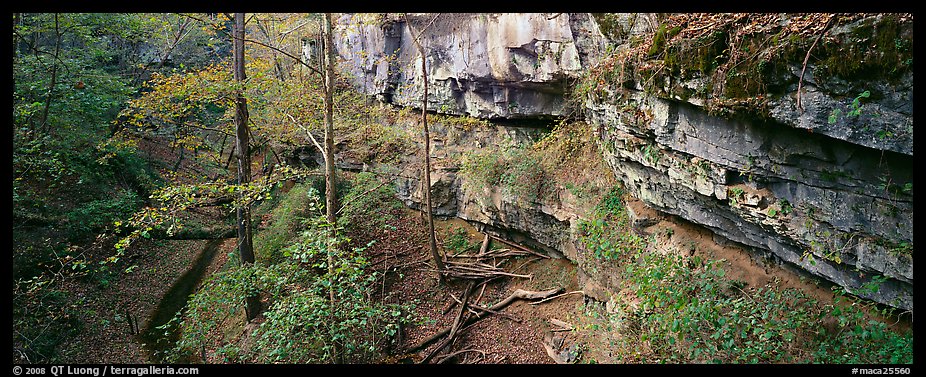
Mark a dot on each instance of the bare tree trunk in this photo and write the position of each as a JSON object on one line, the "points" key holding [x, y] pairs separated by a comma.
{"points": [[245, 244], [17, 17], [432, 238], [54, 78], [331, 201]]}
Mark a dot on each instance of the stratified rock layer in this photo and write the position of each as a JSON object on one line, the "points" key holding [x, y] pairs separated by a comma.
{"points": [[829, 195]]}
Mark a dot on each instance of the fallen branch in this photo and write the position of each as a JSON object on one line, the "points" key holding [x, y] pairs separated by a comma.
{"points": [[519, 294], [449, 304], [307, 132], [557, 296], [563, 325], [548, 345], [517, 246], [448, 356], [481, 292], [498, 313], [471, 306], [349, 201], [485, 244], [476, 270], [453, 328]]}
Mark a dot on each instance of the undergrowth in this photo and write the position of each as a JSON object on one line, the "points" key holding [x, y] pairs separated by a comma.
{"points": [[683, 309], [301, 324], [563, 159]]}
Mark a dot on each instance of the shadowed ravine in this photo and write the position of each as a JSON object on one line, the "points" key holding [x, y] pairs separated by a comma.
{"points": [[156, 340]]}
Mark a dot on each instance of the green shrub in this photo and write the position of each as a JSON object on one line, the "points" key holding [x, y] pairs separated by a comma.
{"points": [[688, 311], [301, 325], [608, 236], [459, 242], [516, 171], [367, 204], [288, 216], [89, 218]]}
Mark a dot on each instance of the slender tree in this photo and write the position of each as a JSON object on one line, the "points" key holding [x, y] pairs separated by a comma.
{"points": [[245, 244], [54, 78], [432, 238], [331, 201]]}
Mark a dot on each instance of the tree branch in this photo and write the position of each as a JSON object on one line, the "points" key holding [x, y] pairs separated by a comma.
{"points": [[360, 196], [800, 81], [517, 294], [317, 145], [291, 56]]}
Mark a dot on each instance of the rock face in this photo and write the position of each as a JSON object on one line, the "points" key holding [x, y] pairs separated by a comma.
{"points": [[541, 225], [483, 65], [826, 188], [807, 199], [829, 195]]}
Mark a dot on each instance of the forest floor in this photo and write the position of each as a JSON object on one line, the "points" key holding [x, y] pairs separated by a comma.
{"points": [[514, 337]]}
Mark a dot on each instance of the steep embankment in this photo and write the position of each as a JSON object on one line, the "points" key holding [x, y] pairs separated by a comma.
{"points": [[697, 116]]}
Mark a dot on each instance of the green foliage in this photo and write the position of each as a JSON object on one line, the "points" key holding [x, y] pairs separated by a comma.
{"points": [[73, 174], [701, 56], [686, 310], [878, 48], [608, 236], [735, 194], [93, 217], [610, 25], [287, 218], [301, 325], [222, 297], [44, 318], [539, 172], [786, 207], [459, 242], [612, 203], [855, 109], [368, 204], [517, 171], [661, 37], [741, 80], [652, 154]]}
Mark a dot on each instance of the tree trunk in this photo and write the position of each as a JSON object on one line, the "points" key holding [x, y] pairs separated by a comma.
{"points": [[245, 245], [331, 202], [432, 238], [16, 20], [54, 78]]}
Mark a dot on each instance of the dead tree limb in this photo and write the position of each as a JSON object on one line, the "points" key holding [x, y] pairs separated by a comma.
{"points": [[485, 245], [800, 81], [517, 246], [451, 355], [454, 327], [351, 200], [519, 294], [315, 142], [564, 326], [555, 297]]}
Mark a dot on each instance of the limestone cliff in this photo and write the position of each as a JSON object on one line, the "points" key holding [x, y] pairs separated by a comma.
{"points": [[697, 116], [483, 65]]}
